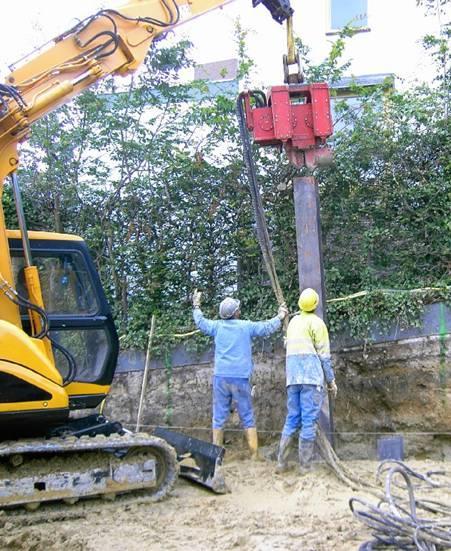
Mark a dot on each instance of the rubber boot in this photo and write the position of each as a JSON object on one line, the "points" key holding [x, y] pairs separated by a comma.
{"points": [[218, 437], [252, 442], [306, 448], [282, 457]]}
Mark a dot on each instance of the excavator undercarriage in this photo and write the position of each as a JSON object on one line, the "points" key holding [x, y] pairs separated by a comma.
{"points": [[37, 470]]}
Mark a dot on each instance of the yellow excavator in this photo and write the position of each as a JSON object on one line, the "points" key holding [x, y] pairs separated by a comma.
{"points": [[58, 343]]}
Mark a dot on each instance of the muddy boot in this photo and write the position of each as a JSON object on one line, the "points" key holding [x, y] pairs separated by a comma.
{"points": [[252, 442], [306, 448], [218, 437], [282, 457]]}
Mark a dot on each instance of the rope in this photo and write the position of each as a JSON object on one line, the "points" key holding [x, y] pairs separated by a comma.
{"points": [[280, 299], [265, 244], [388, 291], [183, 428], [327, 451]]}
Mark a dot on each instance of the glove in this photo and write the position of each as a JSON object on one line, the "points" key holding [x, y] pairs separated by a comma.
{"points": [[196, 298], [283, 311], [332, 388]]}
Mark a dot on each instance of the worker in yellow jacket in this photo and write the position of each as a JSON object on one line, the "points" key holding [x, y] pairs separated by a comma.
{"points": [[308, 368]]}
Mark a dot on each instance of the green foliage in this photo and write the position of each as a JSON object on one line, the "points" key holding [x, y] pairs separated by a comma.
{"points": [[155, 183], [386, 199], [381, 310]]}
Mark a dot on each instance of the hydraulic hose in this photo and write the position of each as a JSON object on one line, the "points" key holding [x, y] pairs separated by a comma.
{"points": [[260, 221], [22, 302]]}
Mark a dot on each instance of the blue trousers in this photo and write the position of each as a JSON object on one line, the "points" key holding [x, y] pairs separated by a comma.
{"points": [[304, 406], [226, 389]]}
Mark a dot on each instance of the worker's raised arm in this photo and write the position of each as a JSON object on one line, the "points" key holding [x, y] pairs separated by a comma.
{"points": [[209, 327], [266, 328]]}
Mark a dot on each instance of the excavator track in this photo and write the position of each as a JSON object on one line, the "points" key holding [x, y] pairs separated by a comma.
{"points": [[34, 471]]}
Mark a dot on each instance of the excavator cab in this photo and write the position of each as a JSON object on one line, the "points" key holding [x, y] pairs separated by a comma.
{"points": [[85, 349], [81, 324]]}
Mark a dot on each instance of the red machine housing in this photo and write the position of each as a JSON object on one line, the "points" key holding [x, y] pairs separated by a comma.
{"points": [[297, 117]]}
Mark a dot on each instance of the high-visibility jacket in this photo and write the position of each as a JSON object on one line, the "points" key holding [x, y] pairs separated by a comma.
{"points": [[308, 351]]}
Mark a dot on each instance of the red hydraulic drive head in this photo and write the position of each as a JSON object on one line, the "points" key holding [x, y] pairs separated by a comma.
{"points": [[295, 116]]}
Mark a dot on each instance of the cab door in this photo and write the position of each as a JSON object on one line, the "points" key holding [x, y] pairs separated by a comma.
{"points": [[80, 317]]}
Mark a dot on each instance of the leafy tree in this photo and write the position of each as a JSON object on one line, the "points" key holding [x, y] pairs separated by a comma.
{"points": [[150, 173]]}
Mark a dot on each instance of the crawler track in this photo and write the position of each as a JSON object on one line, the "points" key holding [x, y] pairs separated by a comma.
{"points": [[38, 470]]}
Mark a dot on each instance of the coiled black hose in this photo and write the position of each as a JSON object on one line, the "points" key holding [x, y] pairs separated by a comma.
{"points": [[395, 522]]}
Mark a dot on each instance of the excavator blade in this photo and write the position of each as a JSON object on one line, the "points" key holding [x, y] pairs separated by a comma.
{"points": [[199, 461], [37, 470]]}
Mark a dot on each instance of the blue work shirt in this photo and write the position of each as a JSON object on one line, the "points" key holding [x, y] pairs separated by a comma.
{"points": [[233, 342]]}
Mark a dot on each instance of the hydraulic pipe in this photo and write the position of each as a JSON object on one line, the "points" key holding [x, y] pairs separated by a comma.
{"points": [[31, 273], [291, 54], [21, 219]]}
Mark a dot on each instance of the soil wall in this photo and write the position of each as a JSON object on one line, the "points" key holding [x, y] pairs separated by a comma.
{"points": [[401, 385]]}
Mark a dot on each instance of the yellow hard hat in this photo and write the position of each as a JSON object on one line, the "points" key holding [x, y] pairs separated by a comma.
{"points": [[308, 300]]}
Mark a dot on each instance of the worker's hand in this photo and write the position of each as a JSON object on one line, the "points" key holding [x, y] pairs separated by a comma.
{"points": [[196, 298], [332, 388], [283, 311]]}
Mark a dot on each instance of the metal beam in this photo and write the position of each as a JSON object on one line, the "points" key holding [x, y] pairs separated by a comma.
{"points": [[310, 260]]}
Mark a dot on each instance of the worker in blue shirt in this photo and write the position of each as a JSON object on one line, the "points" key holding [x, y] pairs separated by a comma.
{"points": [[233, 363]]}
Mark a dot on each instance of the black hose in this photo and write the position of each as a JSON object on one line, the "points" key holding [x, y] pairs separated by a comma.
{"points": [[70, 361], [84, 24], [21, 301], [260, 220], [395, 521], [12, 92], [172, 20], [259, 97]]}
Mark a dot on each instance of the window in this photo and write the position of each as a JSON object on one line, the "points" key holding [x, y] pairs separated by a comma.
{"points": [[353, 13], [66, 286], [90, 349]]}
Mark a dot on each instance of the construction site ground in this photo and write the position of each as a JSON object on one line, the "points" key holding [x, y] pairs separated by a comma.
{"points": [[264, 511]]}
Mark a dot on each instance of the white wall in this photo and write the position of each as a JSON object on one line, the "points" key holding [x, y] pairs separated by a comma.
{"points": [[392, 45]]}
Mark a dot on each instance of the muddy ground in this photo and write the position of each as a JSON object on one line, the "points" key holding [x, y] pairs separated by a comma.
{"points": [[264, 511]]}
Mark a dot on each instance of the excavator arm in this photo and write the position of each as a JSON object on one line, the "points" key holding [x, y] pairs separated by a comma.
{"points": [[110, 42]]}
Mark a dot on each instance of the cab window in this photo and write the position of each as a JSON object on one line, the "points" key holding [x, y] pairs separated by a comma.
{"points": [[66, 285]]}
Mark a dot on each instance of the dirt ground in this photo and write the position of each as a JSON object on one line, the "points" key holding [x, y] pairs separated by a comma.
{"points": [[264, 511]]}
